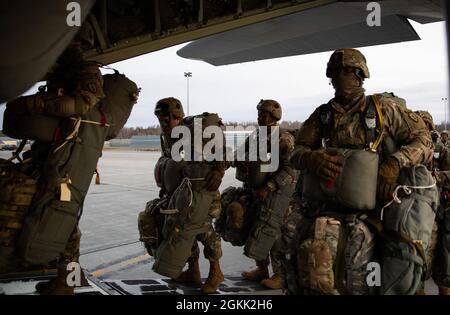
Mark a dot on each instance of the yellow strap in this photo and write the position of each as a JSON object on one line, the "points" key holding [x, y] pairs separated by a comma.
{"points": [[380, 116], [65, 190], [169, 211], [92, 122]]}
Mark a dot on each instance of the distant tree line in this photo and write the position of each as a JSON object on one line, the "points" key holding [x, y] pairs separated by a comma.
{"points": [[440, 127], [128, 132]]}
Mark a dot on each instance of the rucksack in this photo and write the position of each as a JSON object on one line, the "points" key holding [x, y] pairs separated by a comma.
{"points": [[120, 96], [17, 191], [237, 236], [150, 224], [207, 120], [334, 256]]}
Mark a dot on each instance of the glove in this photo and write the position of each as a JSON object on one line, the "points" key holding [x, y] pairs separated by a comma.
{"points": [[262, 193], [326, 165], [387, 178], [213, 180]]}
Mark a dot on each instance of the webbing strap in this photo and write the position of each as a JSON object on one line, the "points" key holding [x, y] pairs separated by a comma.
{"points": [[319, 229], [408, 190], [16, 154], [340, 270], [381, 118]]}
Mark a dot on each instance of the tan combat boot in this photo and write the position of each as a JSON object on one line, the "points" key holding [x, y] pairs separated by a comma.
{"points": [[192, 274], [56, 286], [215, 277], [273, 282], [260, 273], [444, 291], [44, 286]]}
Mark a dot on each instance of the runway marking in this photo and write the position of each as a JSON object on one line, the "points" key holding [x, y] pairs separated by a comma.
{"points": [[121, 265]]}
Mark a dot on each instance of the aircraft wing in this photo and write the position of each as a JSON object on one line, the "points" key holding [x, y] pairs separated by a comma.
{"points": [[324, 28], [35, 33]]}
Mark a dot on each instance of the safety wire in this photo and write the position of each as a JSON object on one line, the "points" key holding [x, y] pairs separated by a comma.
{"points": [[408, 190], [187, 182], [75, 130]]}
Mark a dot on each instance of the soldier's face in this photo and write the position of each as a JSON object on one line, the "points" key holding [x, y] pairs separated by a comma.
{"points": [[346, 79], [167, 123], [444, 137]]}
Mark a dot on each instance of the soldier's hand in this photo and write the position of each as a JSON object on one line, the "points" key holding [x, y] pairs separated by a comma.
{"points": [[213, 180], [387, 179], [326, 165], [262, 193]]}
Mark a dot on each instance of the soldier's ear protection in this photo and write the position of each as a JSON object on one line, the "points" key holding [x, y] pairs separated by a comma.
{"points": [[259, 106], [162, 109]]}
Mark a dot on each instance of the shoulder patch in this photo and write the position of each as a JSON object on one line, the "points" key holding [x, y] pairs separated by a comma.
{"points": [[413, 116]]}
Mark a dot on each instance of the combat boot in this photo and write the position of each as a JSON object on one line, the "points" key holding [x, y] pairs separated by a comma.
{"points": [[444, 291], [192, 274], [215, 277], [273, 282], [56, 286], [260, 273], [44, 287]]}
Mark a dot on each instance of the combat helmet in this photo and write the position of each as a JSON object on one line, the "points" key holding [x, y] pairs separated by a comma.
{"points": [[427, 118], [270, 106], [347, 57], [86, 35], [169, 106]]}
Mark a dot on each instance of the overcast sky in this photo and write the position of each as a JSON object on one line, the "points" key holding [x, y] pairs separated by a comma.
{"points": [[416, 71]]}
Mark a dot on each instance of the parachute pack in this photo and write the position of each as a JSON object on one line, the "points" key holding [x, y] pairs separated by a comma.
{"points": [[69, 162]]}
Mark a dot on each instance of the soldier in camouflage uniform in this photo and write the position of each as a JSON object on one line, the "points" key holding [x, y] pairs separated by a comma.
{"points": [[439, 253], [170, 114], [277, 183], [74, 86], [340, 124], [444, 138]]}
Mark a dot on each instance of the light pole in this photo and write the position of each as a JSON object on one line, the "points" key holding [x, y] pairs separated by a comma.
{"points": [[188, 75], [444, 99]]}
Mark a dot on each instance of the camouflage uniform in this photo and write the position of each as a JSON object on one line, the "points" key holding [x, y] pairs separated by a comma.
{"points": [[210, 239], [340, 124], [407, 139], [277, 188]]}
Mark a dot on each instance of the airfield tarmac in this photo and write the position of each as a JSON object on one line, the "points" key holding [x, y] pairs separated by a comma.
{"points": [[110, 246]]}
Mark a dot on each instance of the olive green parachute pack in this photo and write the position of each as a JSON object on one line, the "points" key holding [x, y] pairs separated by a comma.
{"points": [[441, 259], [67, 171], [186, 217], [266, 228], [356, 185], [407, 231], [330, 254], [190, 206]]}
